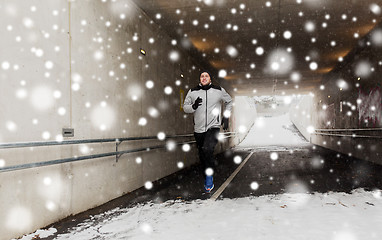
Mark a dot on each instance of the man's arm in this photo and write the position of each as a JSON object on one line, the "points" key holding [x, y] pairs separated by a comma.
{"points": [[187, 105], [227, 103], [227, 109]]}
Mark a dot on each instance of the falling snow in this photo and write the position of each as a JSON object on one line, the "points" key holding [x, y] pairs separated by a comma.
{"points": [[103, 79]]}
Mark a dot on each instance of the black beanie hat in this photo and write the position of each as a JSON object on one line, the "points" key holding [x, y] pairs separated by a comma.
{"points": [[206, 72]]}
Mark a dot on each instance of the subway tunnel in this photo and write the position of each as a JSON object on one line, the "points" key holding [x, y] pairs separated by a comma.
{"points": [[94, 142]]}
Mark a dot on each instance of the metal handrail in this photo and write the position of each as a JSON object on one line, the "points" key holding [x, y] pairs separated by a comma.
{"points": [[80, 158], [345, 135], [348, 129], [322, 132], [68, 142]]}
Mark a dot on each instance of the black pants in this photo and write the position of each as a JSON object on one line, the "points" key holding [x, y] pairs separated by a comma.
{"points": [[206, 143]]}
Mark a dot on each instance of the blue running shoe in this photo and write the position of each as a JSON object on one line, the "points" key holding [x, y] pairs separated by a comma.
{"points": [[209, 184]]}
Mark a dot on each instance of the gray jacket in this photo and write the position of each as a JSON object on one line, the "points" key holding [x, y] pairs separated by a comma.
{"points": [[208, 115]]}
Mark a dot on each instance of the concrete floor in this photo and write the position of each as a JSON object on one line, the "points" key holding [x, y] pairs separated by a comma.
{"points": [[301, 168]]}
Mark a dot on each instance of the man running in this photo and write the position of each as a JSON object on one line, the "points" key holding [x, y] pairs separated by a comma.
{"points": [[205, 101]]}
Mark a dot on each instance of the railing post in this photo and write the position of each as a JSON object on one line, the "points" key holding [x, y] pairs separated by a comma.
{"points": [[117, 143]]}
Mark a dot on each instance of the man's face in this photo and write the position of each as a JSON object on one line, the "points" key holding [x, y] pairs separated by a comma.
{"points": [[205, 79]]}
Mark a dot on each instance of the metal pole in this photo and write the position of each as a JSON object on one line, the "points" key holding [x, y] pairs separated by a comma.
{"points": [[81, 158]]}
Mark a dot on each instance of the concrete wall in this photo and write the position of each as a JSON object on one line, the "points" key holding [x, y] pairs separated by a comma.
{"points": [[301, 115], [78, 64], [244, 116], [350, 98]]}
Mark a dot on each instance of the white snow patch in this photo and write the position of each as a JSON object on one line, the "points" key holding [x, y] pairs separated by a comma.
{"points": [[322, 216], [40, 233], [280, 128]]}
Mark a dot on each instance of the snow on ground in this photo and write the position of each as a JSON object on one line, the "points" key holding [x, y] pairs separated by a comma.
{"points": [[331, 216], [297, 216], [276, 131]]}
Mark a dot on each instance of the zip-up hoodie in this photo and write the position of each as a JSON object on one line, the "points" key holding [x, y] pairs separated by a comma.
{"points": [[207, 115]]}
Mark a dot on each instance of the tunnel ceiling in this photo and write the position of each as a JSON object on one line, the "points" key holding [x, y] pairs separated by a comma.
{"points": [[267, 47]]}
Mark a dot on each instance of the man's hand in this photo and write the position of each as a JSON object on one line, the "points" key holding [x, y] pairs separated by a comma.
{"points": [[225, 123], [197, 103]]}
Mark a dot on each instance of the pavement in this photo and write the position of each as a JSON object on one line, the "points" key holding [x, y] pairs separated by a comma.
{"points": [[271, 169]]}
